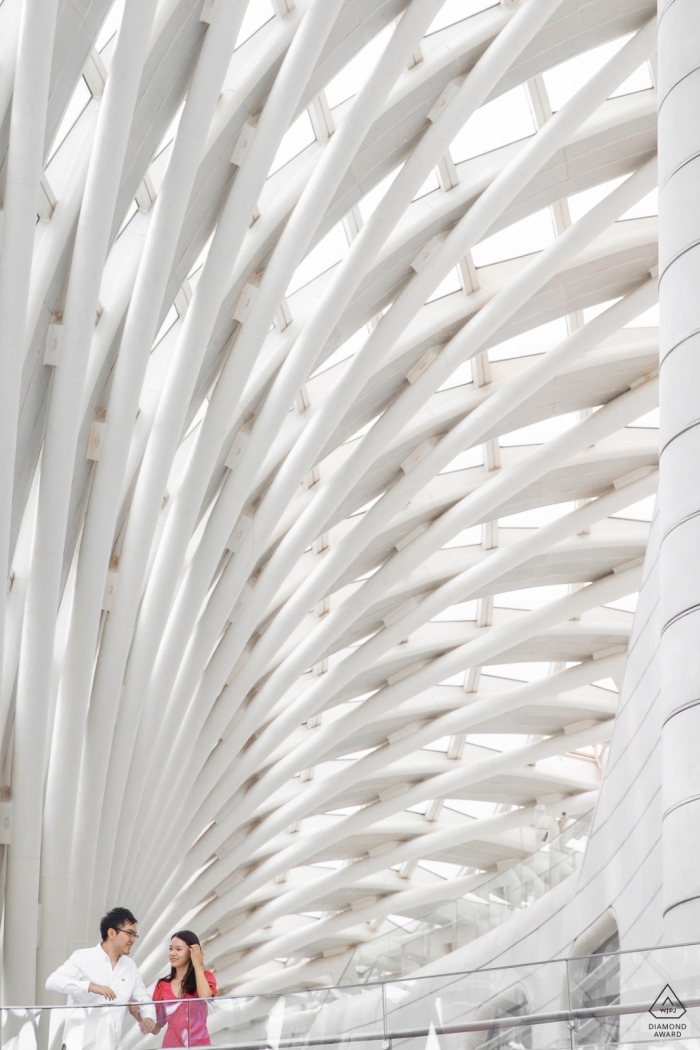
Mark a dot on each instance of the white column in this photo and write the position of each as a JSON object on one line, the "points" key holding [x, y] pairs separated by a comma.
{"points": [[23, 176], [679, 487]]}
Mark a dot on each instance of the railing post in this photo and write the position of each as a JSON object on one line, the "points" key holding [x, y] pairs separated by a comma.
{"points": [[570, 1024], [386, 1042]]}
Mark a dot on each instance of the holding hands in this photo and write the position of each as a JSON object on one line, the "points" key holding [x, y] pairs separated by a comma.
{"points": [[146, 1025]]}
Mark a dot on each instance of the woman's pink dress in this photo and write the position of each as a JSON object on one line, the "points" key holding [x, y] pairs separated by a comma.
{"points": [[186, 1018]]}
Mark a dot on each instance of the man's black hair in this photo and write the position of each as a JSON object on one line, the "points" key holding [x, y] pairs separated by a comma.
{"points": [[114, 919]]}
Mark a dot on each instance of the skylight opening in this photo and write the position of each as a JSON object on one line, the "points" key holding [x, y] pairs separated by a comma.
{"points": [[505, 119], [461, 376], [471, 457], [523, 672], [626, 604], [450, 284], [529, 598], [371, 201], [171, 130], [294, 141], [606, 683], [327, 253], [524, 237], [355, 755], [131, 211], [110, 25], [441, 867], [159, 166], [649, 319], [429, 186], [169, 320], [465, 538], [198, 418], [536, 516], [643, 510], [566, 79], [370, 572], [79, 101], [649, 420], [589, 312], [538, 433], [587, 753], [420, 807], [453, 11], [198, 265], [441, 745], [363, 510], [258, 13], [461, 611], [640, 80], [455, 679], [345, 351], [497, 741], [581, 203], [534, 341], [362, 431], [353, 76], [645, 208], [472, 807]]}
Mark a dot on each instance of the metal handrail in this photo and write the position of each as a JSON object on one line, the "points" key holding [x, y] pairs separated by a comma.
{"points": [[388, 1037], [484, 1025]]}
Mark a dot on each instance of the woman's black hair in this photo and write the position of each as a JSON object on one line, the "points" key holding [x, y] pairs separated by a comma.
{"points": [[189, 982]]}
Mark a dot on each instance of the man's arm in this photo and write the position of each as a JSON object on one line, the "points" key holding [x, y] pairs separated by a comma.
{"points": [[68, 979]]}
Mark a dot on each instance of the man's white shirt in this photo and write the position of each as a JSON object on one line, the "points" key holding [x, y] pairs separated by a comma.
{"points": [[100, 1027]]}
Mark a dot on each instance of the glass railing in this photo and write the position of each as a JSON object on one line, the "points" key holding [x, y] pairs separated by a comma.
{"points": [[620, 999], [492, 900]]}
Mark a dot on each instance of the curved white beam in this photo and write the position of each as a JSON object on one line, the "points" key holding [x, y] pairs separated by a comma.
{"points": [[27, 131], [296, 613]]}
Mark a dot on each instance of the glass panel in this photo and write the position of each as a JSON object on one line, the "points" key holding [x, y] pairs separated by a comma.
{"points": [[617, 998], [595, 982], [479, 1010], [20, 1029], [659, 995], [304, 1019], [492, 900]]}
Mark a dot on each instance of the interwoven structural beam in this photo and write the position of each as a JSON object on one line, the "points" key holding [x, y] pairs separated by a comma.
{"points": [[276, 306]]}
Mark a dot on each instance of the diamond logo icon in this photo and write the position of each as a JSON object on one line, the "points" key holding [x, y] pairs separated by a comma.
{"points": [[667, 1006]]}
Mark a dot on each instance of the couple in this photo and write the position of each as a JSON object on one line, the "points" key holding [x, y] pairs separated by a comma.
{"points": [[105, 974]]}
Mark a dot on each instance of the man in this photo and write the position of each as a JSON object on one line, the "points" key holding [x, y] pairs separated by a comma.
{"points": [[96, 977]]}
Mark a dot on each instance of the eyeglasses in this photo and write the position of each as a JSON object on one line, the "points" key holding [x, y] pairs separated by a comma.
{"points": [[130, 933]]}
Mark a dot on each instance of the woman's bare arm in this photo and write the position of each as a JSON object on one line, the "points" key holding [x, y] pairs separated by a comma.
{"points": [[197, 957]]}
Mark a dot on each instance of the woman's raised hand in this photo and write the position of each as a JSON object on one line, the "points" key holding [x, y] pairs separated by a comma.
{"points": [[197, 956]]}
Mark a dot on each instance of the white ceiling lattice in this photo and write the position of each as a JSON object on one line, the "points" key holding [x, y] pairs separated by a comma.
{"points": [[335, 426]]}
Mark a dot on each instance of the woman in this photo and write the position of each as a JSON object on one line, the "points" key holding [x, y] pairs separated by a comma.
{"points": [[187, 981]]}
